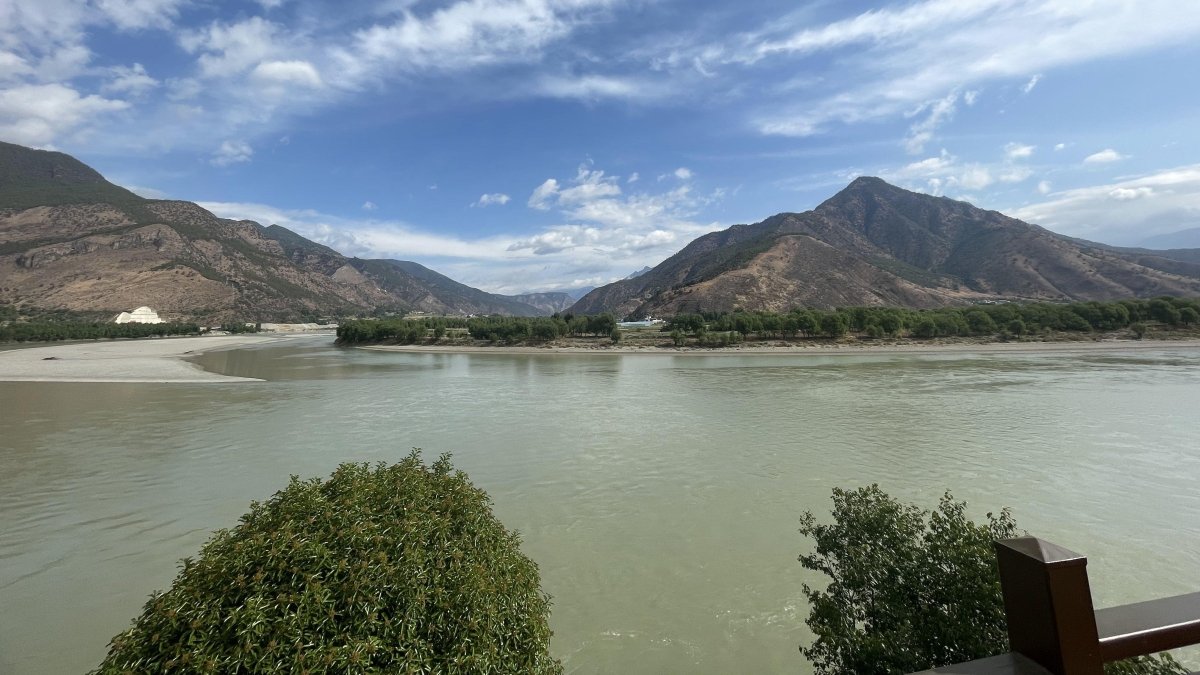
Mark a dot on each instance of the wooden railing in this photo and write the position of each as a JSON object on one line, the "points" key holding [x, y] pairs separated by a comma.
{"points": [[1052, 627]]}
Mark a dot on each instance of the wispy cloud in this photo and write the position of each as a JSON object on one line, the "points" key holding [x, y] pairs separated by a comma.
{"points": [[1106, 156], [922, 53], [603, 235], [491, 199], [232, 152], [1125, 211]]}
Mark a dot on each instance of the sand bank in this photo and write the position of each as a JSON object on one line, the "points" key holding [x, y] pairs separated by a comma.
{"points": [[143, 360], [816, 348]]}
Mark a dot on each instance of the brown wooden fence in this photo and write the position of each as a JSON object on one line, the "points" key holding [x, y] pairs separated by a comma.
{"points": [[1053, 629]]}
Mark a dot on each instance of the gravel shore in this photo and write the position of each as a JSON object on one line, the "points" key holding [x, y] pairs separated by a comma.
{"points": [[144, 360]]}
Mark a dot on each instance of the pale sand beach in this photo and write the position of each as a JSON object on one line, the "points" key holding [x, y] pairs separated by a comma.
{"points": [[144, 360], [814, 348]]}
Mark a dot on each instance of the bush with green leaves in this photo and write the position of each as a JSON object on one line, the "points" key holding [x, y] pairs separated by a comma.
{"points": [[911, 589], [388, 569]]}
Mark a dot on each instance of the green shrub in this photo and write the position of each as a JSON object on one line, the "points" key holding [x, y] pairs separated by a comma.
{"points": [[910, 589], [397, 569]]}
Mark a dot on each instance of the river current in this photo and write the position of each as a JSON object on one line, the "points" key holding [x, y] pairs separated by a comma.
{"points": [[659, 494]]}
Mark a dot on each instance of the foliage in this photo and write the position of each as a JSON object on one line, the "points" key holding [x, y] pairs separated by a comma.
{"points": [[499, 329], [397, 569], [46, 331], [993, 320], [910, 589]]}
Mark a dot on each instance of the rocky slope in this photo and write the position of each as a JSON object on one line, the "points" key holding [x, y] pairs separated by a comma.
{"points": [[877, 244], [71, 240], [546, 303]]}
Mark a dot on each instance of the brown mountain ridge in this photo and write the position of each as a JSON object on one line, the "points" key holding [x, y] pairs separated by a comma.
{"points": [[876, 244], [71, 240]]}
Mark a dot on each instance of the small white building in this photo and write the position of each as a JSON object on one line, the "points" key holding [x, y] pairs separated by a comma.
{"points": [[139, 315]]}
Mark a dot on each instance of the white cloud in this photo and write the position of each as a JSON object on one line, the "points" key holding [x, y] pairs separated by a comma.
{"points": [[463, 34], [491, 199], [232, 152], [1018, 151], [1124, 212], [37, 115], [876, 26], [970, 97], [370, 206], [976, 178], [289, 73], [1124, 194], [683, 173], [1014, 174], [559, 256], [633, 177], [1033, 82], [1044, 187], [939, 111], [135, 14], [1104, 157], [369, 238], [543, 195], [587, 187], [591, 87], [130, 79], [226, 49], [945, 174], [1059, 146], [911, 55]]}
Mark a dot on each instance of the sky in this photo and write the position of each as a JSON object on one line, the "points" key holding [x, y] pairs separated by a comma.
{"points": [[531, 145]]}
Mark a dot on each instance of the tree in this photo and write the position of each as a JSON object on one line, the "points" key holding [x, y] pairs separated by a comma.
{"points": [[911, 589], [399, 568], [833, 325], [1189, 316]]}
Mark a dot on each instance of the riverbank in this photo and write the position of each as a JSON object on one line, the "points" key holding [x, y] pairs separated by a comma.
{"points": [[142, 360], [777, 349]]}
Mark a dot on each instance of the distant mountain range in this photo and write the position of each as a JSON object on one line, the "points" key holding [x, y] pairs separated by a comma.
{"points": [[877, 244], [71, 240], [1189, 238]]}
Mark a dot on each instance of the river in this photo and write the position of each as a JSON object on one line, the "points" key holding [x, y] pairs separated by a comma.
{"points": [[659, 494]]}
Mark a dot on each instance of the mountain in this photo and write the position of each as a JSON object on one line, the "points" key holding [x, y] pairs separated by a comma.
{"points": [[427, 291], [639, 273], [546, 303], [877, 244], [1186, 239], [69, 239]]}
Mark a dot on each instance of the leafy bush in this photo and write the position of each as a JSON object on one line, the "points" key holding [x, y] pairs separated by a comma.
{"points": [[397, 569], [911, 590]]}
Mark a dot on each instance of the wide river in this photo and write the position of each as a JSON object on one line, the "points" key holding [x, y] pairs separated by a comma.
{"points": [[659, 494]]}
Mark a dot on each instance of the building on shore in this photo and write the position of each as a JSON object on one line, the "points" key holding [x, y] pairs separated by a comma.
{"points": [[139, 315]]}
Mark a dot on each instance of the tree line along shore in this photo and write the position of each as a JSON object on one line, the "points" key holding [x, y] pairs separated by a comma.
{"points": [[1006, 321], [53, 326]]}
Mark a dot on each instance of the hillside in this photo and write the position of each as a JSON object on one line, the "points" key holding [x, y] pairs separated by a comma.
{"points": [[877, 244], [71, 240], [546, 303], [428, 291]]}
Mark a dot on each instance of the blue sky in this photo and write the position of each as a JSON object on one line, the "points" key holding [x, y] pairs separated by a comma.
{"points": [[524, 145]]}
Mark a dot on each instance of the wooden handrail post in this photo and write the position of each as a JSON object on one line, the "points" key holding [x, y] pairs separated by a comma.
{"points": [[1049, 606]]}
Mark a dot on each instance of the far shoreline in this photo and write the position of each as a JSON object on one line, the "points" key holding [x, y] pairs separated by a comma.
{"points": [[831, 349]]}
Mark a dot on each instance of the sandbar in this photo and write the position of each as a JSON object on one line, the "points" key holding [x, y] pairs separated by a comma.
{"points": [[141, 360], [814, 348]]}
